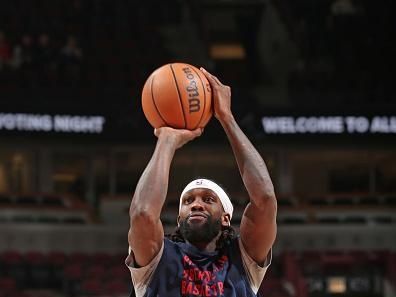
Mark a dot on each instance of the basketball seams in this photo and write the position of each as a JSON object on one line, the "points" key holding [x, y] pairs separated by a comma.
{"points": [[180, 98], [159, 97], [152, 98], [204, 105]]}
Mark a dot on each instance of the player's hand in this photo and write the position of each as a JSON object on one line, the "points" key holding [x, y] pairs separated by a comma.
{"points": [[177, 137], [221, 96]]}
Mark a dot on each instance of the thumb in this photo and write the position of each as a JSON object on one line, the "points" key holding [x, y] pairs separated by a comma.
{"points": [[197, 132]]}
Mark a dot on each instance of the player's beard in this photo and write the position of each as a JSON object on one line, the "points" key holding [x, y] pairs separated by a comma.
{"points": [[200, 233]]}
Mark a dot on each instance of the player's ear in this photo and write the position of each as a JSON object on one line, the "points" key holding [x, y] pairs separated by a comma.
{"points": [[225, 219], [178, 221]]}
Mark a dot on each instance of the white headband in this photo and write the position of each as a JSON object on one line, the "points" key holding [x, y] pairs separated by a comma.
{"points": [[208, 184]]}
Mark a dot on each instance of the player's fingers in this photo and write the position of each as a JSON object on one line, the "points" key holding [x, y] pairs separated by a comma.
{"points": [[210, 77], [197, 132], [207, 74], [215, 78]]}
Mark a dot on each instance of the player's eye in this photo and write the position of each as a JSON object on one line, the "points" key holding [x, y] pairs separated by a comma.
{"points": [[188, 200], [209, 199]]}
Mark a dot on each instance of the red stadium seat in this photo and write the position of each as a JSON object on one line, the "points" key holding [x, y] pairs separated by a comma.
{"points": [[73, 271], [78, 257], [14, 266], [116, 287], [38, 268], [7, 285], [91, 287], [56, 258], [56, 262], [95, 271], [337, 261], [101, 258], [72, 278]]}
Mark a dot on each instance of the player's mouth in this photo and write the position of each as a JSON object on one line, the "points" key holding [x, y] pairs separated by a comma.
{"points": [[197, 216]]}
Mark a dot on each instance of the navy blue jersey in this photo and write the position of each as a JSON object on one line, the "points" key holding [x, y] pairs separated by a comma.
{"points": [[184, 270]]}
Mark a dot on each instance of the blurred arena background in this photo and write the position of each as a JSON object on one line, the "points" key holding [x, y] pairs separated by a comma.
{"points": [[313, 87]]}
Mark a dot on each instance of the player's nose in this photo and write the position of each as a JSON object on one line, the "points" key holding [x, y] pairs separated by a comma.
{"points": [[197, 205]]}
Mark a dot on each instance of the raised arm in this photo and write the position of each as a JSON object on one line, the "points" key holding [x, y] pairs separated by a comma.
{"points": [[258, 224], [146, 233]]}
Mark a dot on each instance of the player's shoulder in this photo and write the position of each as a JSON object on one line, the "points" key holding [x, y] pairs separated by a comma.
{"points": [[172, 244]]}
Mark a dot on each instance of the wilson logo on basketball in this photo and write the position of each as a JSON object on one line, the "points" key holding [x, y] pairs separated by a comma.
{"points": [[192, 90]]}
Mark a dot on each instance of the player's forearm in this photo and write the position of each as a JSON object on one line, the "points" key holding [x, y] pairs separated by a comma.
{"points": [[151, 190], [251, 165]]}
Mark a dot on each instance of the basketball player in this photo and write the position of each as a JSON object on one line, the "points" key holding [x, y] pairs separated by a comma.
{"points": [[204, 257]]}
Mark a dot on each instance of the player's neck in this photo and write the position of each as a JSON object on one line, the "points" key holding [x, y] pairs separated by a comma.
{"points": [[206, 246]]}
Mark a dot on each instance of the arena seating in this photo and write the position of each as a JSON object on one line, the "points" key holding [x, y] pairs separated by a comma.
{"points": [[111, 53], [100, 274], [40, 208], [72, 274]]}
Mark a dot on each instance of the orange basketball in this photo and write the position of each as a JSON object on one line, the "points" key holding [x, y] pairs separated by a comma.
{"points": [[177, 95]]}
